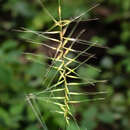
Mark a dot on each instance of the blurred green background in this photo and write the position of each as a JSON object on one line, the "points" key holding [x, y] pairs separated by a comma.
{"points": [[18, 78]]}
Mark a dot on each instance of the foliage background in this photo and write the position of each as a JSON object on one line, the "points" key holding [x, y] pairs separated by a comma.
{"points": [[18, 78]]}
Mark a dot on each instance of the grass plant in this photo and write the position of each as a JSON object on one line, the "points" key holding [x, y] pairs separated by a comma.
{"points": [[59, 90]]}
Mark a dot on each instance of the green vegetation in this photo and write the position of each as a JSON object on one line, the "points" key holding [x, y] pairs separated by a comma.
{"points": [[19, 77]]}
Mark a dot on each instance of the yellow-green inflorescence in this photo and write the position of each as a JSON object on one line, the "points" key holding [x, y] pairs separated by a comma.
{"points": [[64, 71]]}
